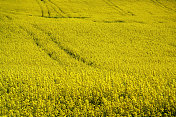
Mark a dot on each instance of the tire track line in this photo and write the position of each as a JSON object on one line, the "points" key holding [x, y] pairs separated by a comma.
{"points": [[57, 6], [66, 50], [117, 8], [53, 7], [49, 13], [39, 45], [42, 11], [163, 6], [50, 5], [59, 11]]}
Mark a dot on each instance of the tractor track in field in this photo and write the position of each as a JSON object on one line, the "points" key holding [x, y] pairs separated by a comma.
{"points": [[42, 11], [49, 13], [157, 3], [57, 6], [57, 9], [60, 46], [37, 42], [67, 50], [50, 5], [117, 8]]}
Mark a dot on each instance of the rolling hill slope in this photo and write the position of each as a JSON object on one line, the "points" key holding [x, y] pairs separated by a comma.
{"points": [[87, 57]]}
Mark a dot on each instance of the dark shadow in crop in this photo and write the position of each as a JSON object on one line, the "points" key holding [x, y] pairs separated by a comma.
{"points": [[116, 21], [8, 17], [66, 17]]}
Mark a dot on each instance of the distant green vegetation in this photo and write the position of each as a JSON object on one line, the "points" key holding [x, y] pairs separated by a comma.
{"points": [[87, 58]]}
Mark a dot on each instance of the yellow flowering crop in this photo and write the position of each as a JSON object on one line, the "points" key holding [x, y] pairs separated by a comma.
{"points": [[87, 58]]}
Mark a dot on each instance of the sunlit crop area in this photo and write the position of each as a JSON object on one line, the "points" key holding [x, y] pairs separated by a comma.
{"points": [[87, 58]]}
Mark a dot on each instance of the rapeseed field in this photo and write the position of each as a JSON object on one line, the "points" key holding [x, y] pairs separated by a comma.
{"points": [[87, 58]]}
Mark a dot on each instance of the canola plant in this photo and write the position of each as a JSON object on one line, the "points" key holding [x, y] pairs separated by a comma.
{"points": [[87, 58]]}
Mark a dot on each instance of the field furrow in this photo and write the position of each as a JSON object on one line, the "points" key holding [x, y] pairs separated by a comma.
{"points": [[117, 8], [42, 10], [158, 3], [50, 8], [68, 51], [37, 42]]}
